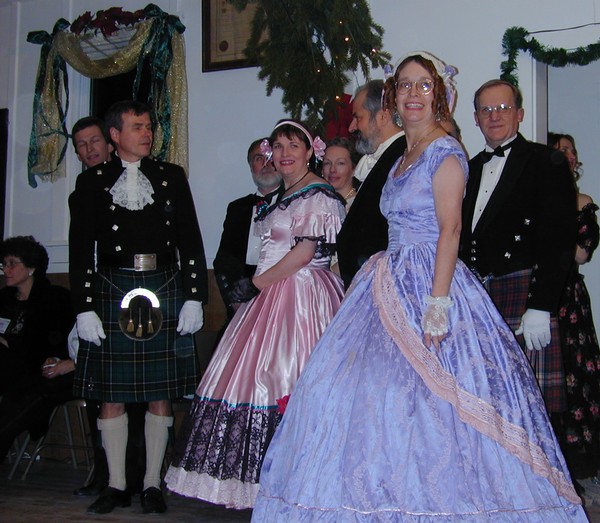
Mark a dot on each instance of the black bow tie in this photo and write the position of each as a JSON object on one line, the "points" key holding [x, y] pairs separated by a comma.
{"points": [[267, 198], [498, 151]]}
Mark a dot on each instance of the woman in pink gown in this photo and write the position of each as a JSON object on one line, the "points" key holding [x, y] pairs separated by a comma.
{"points": [[235, 412]]}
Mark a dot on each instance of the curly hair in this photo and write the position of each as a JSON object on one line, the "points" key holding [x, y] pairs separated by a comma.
{"points": [[32, 253], [554, 142], [439, 103]]}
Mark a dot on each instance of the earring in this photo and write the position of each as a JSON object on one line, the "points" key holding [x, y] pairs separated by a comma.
{"points": [[30, 273]]}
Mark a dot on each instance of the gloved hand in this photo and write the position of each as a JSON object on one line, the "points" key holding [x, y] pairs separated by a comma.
{"points": [[535, 328], [73, 343], [435, 319], [191, 317], [89, 327], [243, 290]]}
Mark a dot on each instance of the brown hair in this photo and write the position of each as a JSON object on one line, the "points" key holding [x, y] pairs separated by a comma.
{"points": [[439, 103]]}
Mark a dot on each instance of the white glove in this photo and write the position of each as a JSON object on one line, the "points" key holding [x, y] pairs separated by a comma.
{"points": [[191, 317], [435, 318], [89, 327], [73, 343], [535, 328]]}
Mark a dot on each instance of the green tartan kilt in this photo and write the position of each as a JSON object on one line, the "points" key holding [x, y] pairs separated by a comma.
{"points": [[122, 370]]}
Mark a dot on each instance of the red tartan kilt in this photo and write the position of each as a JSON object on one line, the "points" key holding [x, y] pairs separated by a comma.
{"points": [[509, 294]]}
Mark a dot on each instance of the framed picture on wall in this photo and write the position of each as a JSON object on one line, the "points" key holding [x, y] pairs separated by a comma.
{"points": [[225, 33]]}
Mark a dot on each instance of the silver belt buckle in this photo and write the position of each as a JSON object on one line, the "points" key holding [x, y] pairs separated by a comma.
{"points": [[144, 262]]}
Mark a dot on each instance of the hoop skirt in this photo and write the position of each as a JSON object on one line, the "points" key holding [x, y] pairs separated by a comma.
{"points": [[381, 428], [235, 412]]}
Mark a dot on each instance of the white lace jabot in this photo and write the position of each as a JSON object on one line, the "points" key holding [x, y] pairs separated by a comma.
{"points": [[132, 190]]}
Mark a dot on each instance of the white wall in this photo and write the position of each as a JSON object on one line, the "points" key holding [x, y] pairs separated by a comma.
{"points": [[228, 109], [574, 108]]}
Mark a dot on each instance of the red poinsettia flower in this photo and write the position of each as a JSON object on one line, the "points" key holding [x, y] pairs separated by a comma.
{"points": [[81, 23]]}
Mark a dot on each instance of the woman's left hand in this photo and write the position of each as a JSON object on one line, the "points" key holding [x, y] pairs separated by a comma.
{"points": [[53, 367], [435, 320]]}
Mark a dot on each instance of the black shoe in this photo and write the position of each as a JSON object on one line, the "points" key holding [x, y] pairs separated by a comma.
{"points": [[153, 501], [99, 479], [110, 499], [93, 489]]}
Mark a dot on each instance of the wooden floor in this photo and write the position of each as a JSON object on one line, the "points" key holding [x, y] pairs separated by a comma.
{"points": [[46, 496]]}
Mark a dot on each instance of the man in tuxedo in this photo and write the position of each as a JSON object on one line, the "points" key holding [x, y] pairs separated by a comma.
{"points": [[378, 137], [518, 232], [239, 249]]}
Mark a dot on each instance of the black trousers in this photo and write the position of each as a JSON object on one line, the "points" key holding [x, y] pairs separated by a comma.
{"points": [[27, 411]]}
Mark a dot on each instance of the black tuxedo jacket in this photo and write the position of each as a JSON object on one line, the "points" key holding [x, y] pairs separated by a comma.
{"points": [[365, 230], [529, 221], [230, 260], [168, 224]]}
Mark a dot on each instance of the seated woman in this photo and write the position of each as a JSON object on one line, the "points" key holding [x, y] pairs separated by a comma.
{"points": [[35, 320]]}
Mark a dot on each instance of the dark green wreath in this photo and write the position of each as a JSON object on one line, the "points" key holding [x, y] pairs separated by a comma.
{"points": [[310, 48], [514, 40]]}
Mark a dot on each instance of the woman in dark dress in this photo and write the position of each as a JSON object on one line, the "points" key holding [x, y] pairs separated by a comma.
{"points": [[579, 342], [35, 320]]}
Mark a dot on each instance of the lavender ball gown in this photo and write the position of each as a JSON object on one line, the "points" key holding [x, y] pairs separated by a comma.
{"points": [[382, 429]]}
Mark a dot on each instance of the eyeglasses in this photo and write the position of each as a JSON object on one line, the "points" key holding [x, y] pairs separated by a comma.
{"points": [[423, 86], [10, 264], [487, 110]]}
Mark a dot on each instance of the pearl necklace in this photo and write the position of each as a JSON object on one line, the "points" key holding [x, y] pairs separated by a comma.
{"points": [[414, 145], [351, 191]]}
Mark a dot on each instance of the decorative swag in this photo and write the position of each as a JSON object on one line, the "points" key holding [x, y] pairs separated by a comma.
{"points": [[515, 40], [157, 38]]}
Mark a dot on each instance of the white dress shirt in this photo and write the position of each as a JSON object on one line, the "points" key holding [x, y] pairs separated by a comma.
{"points": [[368, 161], [490, 176]]}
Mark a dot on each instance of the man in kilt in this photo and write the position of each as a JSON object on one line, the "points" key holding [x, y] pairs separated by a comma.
{"points": [[518, 232], [138, 277]]}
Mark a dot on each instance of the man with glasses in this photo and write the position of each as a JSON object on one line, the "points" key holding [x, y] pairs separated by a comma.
{"points": [[239, 249], [365, 230], [518, 231]]}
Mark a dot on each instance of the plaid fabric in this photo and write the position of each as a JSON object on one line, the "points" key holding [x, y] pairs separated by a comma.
{"points": [[509, 294], [123, 370]]}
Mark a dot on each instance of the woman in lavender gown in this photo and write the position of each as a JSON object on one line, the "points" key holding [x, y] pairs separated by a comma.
{"points": [[293, 296], [417, 403]]}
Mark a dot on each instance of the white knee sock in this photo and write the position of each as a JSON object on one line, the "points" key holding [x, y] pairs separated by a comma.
{"points": [[114, 441], [157, 437]]}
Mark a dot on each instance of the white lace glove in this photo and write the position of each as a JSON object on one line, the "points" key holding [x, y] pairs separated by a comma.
{"points": [[73, 343], [191, 317], [535, 328], [435, 318], [89, 327]]}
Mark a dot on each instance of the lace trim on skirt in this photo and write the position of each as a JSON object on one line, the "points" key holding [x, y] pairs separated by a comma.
{"points": [[225, 441], [472, 410]]}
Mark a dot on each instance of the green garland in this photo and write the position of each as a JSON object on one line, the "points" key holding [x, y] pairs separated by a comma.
{"points": [[310, 48], [514, 40], [157, 50]]}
